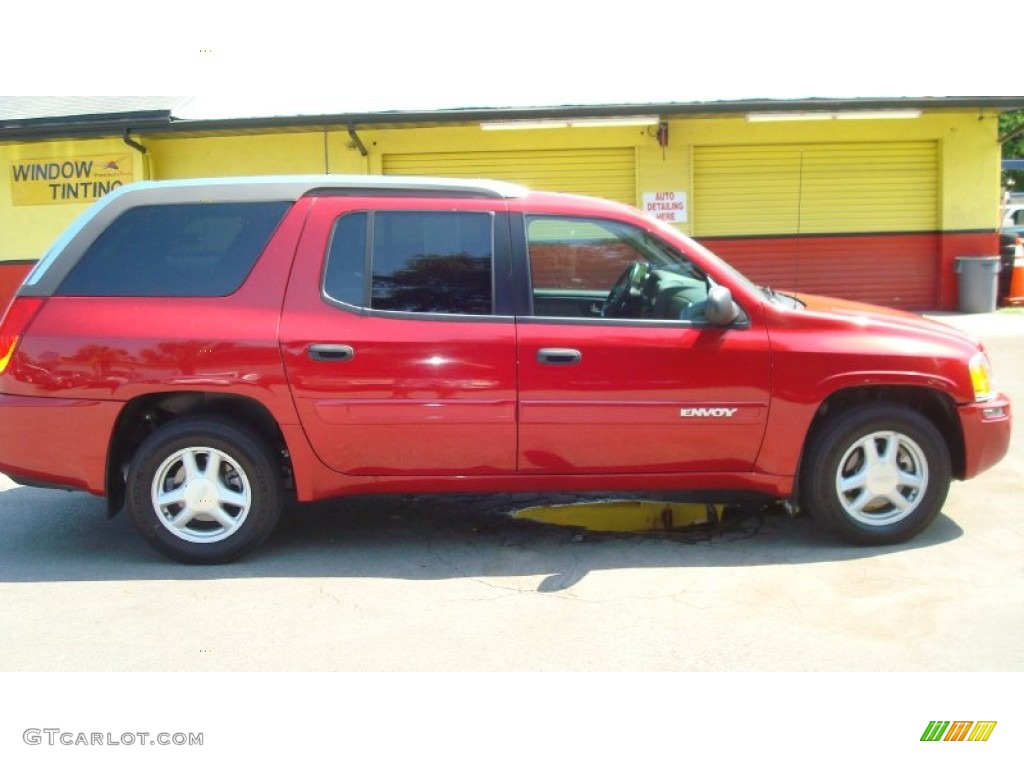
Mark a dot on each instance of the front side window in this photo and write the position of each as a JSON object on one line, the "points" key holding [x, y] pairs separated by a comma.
{"points": [[598, 268], [417, 261], [190, 249]]}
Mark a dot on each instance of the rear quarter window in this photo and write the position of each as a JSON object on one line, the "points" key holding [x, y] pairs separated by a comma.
{"points": [[185, 250]]}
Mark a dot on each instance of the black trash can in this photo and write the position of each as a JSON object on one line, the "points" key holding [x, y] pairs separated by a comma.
{"points": [[979, 282]]}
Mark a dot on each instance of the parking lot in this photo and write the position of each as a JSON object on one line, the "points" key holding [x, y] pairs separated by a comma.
{"points": [[399, 583]]}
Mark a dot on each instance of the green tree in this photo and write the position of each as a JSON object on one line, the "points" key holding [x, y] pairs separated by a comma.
{"points": [[1013, 123]]}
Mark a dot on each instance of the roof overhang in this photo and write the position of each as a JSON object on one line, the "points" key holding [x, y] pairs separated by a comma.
{"points": [[166, 122]]}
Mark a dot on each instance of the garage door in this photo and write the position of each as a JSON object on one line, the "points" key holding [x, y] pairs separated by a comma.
{"points": [[854, 220], [608, 173]]}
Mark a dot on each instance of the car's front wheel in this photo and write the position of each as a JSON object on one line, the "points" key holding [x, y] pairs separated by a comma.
{"points": [[204, 490], [876, 474]]}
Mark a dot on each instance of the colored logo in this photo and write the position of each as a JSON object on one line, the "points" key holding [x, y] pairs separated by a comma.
{"points": [[959, 730]]}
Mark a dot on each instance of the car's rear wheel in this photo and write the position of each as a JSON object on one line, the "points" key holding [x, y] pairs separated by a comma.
{"points": [[877, 474], [204, 490]]}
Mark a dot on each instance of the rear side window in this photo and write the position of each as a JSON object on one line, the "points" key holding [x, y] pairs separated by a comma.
{"points": [[418, 261], [191, 249]]}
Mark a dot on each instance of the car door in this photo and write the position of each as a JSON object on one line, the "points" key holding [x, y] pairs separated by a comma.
{"points": [[638, 384], [399, 358]]}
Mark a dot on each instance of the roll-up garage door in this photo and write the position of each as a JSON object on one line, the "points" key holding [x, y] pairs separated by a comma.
{"points": [[853, 220], [608, 173]]}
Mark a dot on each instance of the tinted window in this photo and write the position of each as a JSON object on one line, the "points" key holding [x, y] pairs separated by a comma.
{"points": [[421, 261], [345, 274], [192, 249]]}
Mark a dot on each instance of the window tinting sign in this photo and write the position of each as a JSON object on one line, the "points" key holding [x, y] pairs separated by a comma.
{"points": [[79, 179]]}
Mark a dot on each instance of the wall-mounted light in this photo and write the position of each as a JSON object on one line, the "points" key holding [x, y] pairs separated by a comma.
{"points": [[522, 125], [860, 114], [582, 122], [614, 122], [880, 114]]}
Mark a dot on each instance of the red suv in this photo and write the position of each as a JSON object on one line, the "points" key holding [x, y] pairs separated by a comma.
{"points": [[200, 351]]}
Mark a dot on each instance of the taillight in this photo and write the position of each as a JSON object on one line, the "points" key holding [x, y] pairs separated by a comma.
{"points": [[17, 317]]}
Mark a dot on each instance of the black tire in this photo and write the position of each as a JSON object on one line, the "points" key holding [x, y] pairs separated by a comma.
{"points": [[876, 474], [206, 518]]}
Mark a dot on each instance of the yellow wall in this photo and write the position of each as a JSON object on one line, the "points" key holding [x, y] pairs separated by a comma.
{"points": [[968, 150], [968, 158], [252, 155], [333, 151], [472, 138], [969, 153]]}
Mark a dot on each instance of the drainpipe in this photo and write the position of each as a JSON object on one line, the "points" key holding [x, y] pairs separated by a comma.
{"points": [[356, 140], [127, 138]]}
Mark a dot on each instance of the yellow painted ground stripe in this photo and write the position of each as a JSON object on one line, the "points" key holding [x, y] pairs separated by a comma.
{"points": [[624, 516]]}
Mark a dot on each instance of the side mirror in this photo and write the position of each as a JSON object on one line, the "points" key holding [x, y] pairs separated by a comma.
{"points": [[720, 309]]}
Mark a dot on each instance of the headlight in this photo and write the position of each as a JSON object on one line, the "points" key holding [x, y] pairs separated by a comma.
{"points": [[981, 377]]}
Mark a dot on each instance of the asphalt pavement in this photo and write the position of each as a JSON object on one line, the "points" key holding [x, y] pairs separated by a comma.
{"points": [[453, 583]]}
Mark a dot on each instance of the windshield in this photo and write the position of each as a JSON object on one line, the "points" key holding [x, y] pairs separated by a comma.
{"points": [[732, 274]]}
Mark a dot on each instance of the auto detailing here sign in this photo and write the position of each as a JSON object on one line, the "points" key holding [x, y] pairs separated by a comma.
{"points": [[68, 180], [667, 206]]}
